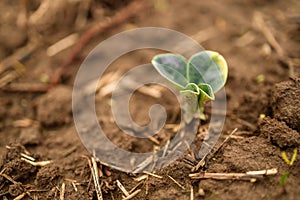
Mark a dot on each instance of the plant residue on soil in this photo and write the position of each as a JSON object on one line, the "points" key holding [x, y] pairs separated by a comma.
{"points": [[41, 155]]}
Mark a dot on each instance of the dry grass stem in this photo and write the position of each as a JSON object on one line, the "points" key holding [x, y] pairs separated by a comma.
{"points": [[62, 191], [21, 196], [73, 182], [94, 169], [152, 174], [39, 163], [8, 178], [176, 182], [140, 178], [192, 193], [135, 187], [147, 186], [166, 148], [27, 157], [62, 44], [23, 123], [248, 176], [122, 188], [153, 139], [226, 139], [263, 172], [132, 195]]}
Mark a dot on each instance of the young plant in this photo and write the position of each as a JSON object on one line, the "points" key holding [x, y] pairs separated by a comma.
{"points": [[290, 163], [198, 79]]}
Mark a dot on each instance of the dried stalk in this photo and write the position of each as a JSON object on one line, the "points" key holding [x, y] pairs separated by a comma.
{"points": [[248, 176]]}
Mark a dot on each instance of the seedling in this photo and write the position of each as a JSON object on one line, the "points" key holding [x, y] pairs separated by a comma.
{"points": [[198, 79], [290, 163]]}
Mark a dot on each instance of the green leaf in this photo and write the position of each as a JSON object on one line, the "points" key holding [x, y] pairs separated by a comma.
{"points": [[206, 93], [285, 158], [207, 67], [293, 157], [284, 177], [172, 67]]}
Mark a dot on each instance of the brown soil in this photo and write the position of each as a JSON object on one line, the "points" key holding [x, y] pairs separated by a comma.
{"points": [[41, 125]]}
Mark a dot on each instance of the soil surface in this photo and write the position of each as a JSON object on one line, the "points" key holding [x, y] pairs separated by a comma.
{"points": [[263, 98]]}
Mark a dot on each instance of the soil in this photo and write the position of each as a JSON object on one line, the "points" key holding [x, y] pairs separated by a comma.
{"points": [[262, 102]]}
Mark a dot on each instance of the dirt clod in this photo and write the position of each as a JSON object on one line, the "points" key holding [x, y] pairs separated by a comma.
{"points": [[54, 108], [285, 102], [47, 176], [30, 136], [247, 154], [279, 133], [15, 189]]}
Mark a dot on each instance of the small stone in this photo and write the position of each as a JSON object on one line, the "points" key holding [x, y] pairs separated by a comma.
{"points": [[30, 136], [201, 192]]}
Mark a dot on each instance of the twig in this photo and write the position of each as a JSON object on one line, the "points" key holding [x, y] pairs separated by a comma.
{"points": [[112, 195], [147, 185], [73, 183], [94, 169], [248, 176], [226, 139], [122, 188], [192, 193], [9, 178], [62, 44], [37, 164], [166, 149], [27, 157], [176, 182], [132, 194], [154, 175], [124, 14], [153, 139], [135, 187], [21, 196], [62, 191], [140, 178], [23, 123]]}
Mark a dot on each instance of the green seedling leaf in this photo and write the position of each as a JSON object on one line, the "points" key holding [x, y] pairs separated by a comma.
{"points": [[206, 93], [283, 178], [288, 161], [294, 157], [207, 67], [172, 67], [285, 158]]}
